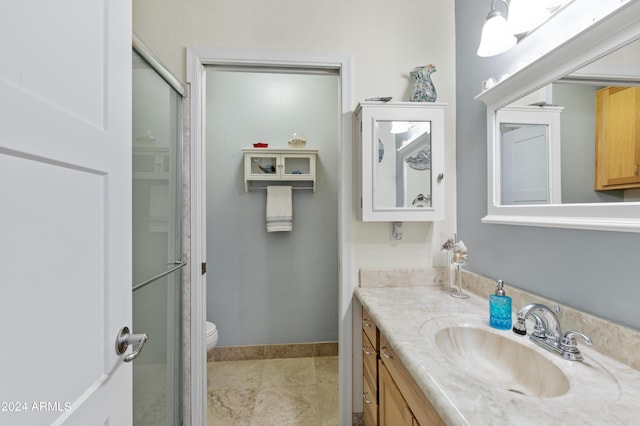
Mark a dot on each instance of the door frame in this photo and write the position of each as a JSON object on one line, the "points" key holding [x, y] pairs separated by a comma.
{"points": [[197, 59]]}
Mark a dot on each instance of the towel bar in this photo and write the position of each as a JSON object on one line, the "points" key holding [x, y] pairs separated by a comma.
{"points": [[256, 188]]}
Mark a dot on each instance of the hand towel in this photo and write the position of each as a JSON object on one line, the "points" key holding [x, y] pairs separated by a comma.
{"points": [[279, 209]]}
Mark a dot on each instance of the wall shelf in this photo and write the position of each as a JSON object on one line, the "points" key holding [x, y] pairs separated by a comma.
{"points": [[280, 165]]}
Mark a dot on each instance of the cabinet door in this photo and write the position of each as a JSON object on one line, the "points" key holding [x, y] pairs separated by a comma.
{"points": [[298, 166], [420, 406], [262, 166], [393, 409], [401, 162], [617, 138]]}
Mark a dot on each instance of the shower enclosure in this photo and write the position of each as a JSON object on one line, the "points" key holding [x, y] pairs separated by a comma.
{"points": [[157, 240]]}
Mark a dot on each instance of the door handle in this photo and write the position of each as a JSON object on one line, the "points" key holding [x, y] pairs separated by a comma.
{"points": [[125, 339]]}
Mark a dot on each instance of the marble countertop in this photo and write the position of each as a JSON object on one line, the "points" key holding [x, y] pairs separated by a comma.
{"points": [[602, 390]]}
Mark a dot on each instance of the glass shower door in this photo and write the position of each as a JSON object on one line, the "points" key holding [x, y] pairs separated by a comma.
{"points": [[157, 248]]}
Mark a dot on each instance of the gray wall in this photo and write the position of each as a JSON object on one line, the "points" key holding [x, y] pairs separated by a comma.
{"points": [[278, 287], [590, 270]]}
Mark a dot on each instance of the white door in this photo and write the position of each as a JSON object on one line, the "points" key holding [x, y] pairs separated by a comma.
{"points": [[65, 211], [525, 165]]}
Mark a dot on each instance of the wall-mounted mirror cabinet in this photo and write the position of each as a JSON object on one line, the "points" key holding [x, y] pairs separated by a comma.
{"points": [[555, 155], [401, 161]]}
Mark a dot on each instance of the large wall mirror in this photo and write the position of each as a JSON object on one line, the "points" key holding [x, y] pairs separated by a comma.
{"points": [[550, 127]]}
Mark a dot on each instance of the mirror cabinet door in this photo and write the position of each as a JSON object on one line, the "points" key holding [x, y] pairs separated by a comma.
{"points": [[402, 161]]}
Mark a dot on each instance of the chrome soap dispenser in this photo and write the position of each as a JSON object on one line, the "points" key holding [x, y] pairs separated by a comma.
{"points": [[500, 308]]}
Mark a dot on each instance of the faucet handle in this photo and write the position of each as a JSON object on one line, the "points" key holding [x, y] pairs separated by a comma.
{"points": [[569, 346], [539, 330], [520, 327], [569, 339]]}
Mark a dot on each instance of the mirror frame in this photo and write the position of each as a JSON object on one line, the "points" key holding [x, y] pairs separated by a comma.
{"points": [[617, 29]]}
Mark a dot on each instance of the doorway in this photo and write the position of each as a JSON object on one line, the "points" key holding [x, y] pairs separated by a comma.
{"points": [[267, 288], [197, 60]]}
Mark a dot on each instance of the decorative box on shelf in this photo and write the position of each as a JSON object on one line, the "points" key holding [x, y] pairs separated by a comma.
{"points": [[281, 165]]}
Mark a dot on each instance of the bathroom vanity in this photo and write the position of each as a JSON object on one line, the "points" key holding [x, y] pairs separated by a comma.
{"points": [[390, 394], [439, 362]]}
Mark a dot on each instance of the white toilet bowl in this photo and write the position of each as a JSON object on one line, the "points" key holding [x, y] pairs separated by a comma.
{"points": [[212, 335]]}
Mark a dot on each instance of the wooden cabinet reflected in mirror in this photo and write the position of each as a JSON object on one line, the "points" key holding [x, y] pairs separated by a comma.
{"points": [[617, 138]]}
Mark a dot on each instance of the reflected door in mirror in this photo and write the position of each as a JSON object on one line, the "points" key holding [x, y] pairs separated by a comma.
{"points": [[525, 164]]}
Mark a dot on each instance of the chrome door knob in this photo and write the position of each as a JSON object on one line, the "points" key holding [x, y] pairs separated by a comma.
{"points": [[124, 339]]}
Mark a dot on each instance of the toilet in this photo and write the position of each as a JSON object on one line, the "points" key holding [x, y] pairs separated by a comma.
{"points": [[212, 336]]}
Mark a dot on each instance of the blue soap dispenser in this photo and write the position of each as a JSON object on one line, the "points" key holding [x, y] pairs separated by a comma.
{"points": [[500, 308]]}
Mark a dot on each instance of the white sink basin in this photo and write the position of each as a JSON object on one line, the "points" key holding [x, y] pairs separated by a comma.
{"points": [[506, 363], [468, 348]]}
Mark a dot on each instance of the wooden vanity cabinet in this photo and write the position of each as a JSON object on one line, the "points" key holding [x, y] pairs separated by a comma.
{"points": [[617, 138], [401, 400], [370, 348], [394, 409]]}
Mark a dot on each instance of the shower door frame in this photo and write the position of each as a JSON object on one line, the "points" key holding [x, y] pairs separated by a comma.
{"points": [[197, 59], [180, 265]]}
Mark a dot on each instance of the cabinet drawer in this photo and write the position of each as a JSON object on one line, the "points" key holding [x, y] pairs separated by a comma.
{"points": [[420, 406], [369, 396], [370, 328], [369, 359]]}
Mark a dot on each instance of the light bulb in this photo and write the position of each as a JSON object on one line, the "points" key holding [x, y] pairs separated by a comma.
{"points": [[525, 15], [550, 4], [496, 36]]}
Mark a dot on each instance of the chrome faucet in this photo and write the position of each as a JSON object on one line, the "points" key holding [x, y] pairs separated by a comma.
{"points": [[547, 332]]}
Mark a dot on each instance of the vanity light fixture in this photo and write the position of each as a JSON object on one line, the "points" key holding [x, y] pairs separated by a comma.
{"points": [[497, 36], [500, 34], [525, 15]]}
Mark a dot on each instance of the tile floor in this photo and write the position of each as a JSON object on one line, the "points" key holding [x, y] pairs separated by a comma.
{"points": [[286, 391]]}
